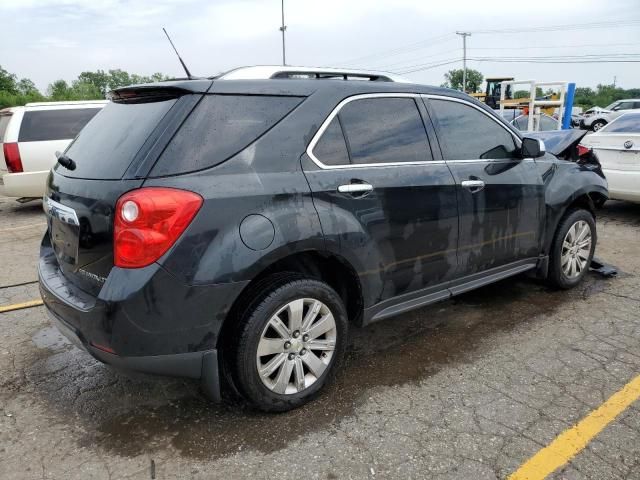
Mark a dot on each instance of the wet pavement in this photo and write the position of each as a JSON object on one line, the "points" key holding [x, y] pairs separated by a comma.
{"points": [[465, 389]]}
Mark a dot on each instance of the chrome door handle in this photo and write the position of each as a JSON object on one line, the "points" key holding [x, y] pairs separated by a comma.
{"points": [[473, 185], [355, 188]]}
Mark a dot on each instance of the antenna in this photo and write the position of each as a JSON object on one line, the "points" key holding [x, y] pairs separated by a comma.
{"points": [[189, 76]]}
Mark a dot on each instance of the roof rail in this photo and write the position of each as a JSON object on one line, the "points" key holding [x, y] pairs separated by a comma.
{"points": [[264, 72]]}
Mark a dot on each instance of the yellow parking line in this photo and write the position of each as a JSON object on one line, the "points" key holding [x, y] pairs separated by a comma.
{"points": [[570, 442], [19, 306]]}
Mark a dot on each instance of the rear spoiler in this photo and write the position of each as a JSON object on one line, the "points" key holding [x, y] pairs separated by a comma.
{"points": [[157, 92]]}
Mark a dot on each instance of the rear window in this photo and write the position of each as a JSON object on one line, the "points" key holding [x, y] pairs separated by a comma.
{"points": [[43, 125], [625, 124], [220, 127], [107, 145], [4, 122]]}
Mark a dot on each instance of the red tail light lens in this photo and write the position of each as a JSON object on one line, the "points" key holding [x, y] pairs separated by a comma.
{"points": [[582, 150], [12, 157], [148, 221]]}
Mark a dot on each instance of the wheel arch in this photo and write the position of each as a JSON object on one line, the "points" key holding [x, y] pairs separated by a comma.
{"points": [[326, 266]]}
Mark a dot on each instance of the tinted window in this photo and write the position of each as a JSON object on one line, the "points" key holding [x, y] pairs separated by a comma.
{"points": [[384, 130], [4, 122], [623, 106], [41, 125], [331, 149], [107, 145], [468, 134], [628, 123], [220, 127]]}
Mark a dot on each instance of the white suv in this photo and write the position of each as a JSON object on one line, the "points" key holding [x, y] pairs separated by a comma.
{"points": [[30, 136], [595, 118]]}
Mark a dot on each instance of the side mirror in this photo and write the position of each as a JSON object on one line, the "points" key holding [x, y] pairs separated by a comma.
{"points": [[532, 148]]}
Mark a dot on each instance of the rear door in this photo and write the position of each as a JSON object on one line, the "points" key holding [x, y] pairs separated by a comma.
{"points": [[385, 202], [45, 131], [500, 195]]}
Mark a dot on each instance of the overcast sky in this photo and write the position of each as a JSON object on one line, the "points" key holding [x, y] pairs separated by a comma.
{"points": [[50, 39]]}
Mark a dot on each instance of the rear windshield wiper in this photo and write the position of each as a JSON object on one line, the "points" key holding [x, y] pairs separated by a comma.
{"points": [[65, 161]]}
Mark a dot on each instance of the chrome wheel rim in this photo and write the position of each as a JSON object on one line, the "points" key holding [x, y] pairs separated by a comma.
{"points": [[296, 346], [576, 249]]}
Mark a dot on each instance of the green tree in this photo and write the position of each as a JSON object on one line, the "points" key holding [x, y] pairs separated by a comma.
{"points": [[453, 79], [8, 82], [99, 79], [27, 87]]}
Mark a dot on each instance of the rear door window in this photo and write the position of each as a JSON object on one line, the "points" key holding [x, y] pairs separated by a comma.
{"points": [[331, 149], [220, 127], [466, 133], [108, 144], [384, 130], [64, 124]]}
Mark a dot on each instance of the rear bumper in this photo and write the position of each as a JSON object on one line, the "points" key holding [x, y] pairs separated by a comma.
{"points": [[26, 184], [199, 365], [143, 320], [623, 184]]}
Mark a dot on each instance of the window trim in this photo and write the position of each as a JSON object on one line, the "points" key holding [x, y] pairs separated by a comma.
{"points": [[334, 113]]}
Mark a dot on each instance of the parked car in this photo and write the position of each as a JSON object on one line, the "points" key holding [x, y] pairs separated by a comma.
{"points": [[596, 118], [232, 229], [30, 136], [617, 147], [518, 119]]}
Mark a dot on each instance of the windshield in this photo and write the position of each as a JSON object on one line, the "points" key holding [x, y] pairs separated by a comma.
{"points": [[610, 107]]}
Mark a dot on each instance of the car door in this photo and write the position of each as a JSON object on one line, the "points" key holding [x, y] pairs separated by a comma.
{"points": [[385, 203], [500, 195]]}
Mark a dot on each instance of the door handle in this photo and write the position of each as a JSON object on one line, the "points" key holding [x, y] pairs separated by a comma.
{"points": [[355, 188], [473, 186]]}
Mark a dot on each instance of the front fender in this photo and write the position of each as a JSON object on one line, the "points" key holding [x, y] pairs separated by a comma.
{"points": [[568, 184]]}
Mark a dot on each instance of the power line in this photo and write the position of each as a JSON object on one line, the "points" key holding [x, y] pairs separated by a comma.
{"points": [[430, 66], [404, 49], [570, 26], [499, 60], [605, 45]]}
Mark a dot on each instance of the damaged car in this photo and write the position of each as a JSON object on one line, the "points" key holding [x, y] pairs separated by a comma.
{"points": [[233, 229]]}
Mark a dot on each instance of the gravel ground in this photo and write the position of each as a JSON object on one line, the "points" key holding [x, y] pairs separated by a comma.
{"points": [[465, 389]]}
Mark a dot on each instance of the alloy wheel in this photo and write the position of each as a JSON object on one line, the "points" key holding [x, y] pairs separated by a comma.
{"points": [[296, 346], [576, 249]]}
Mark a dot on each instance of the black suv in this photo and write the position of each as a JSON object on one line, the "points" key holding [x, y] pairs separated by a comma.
{"points": [[231, 229]]}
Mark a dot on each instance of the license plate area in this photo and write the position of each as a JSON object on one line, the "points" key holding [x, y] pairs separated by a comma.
{"points": [[64, 231]]}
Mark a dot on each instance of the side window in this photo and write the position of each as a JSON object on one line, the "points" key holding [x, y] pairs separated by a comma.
{"points": [[468, 134], [636, 105], [623, 106], [385, 130], [331, 149], [63, 124]]}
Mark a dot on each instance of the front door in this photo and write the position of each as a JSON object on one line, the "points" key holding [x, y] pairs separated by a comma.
{"points": [[500, 195], [385, 204]]}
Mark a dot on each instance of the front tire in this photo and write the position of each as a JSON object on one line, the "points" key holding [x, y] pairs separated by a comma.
{"points": [[597, 125], [572, 250], [291, 342]]}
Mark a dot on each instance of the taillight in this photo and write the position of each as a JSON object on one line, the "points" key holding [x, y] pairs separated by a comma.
{"points": [[12, 157], [148, 221], [582, 150]]}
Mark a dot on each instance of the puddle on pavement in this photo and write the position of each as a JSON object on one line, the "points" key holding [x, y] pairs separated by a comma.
{"points": [[397, 351]]}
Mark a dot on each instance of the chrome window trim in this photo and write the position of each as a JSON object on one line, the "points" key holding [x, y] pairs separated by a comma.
{"points": [[335, 112]]}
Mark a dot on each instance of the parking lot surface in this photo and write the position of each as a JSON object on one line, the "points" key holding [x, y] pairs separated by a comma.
{"points": [[466, 389]]}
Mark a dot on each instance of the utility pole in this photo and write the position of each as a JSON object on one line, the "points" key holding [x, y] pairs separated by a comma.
{"points": [[283, 28], [464, 58], [614, 81]]}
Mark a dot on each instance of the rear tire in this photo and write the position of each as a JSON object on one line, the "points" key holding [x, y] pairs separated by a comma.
{"points": [[292, 340], [572, 249]]}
